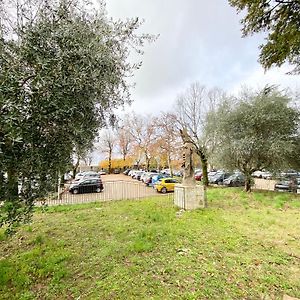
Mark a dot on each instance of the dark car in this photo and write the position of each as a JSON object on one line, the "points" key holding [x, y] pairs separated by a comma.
{"points": [[288, 185], [234, 180], [289, 174], [117, 171], [218, 178], [87, 186]]}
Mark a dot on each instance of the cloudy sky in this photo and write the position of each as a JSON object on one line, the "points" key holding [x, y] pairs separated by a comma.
{"points": [[198, 41]]}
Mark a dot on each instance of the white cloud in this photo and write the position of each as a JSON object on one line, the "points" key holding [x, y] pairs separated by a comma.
{"points": [[199, 41]]}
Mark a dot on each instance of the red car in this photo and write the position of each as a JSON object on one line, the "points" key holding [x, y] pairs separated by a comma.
{"points": [[198, 176]]}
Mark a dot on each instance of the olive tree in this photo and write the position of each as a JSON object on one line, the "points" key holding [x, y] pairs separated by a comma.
{"points": [[63, 69], [281, 20], [257, 131]]}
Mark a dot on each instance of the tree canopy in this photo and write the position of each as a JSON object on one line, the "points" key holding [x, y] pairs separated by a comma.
{"points": [[281, 20], [258, 131], [63, 69]]}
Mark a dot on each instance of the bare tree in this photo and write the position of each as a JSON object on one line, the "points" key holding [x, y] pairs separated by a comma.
{"points": [[193, 107], [167, 136], [124, 139], [107, 144], [143, 134]]}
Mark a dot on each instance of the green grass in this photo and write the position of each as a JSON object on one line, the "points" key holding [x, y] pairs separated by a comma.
{"points": [[244, 246]]}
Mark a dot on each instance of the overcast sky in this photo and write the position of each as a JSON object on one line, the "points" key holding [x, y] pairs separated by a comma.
{"points": [[198, 41]]}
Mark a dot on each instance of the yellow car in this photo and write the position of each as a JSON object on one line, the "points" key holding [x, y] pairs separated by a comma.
{"points": [[164, 185]]}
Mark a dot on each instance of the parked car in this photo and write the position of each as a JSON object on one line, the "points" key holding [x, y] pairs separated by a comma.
{"points": [[86, 175], [67, 176], [165, 185], [178, 173], [79, 176], [211, 174], [288, 185], [219, 177], [102, 172], [145, 176], [198, 176], [234, 180], [289, 173], [157, 177], [262, 174], [139, 175], [267, 175], [132, 173], [87, 186], [126, 172], [148, 178]]}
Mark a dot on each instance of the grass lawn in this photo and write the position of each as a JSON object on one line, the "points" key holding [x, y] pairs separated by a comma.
{"points": [[244, 246]]}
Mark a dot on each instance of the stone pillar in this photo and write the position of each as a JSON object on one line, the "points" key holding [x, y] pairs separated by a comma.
{"points": [[189, 197]]}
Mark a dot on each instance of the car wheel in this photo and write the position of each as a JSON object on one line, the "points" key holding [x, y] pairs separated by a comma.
{"points": [[164, 190], [98, 190], [75, 191]]}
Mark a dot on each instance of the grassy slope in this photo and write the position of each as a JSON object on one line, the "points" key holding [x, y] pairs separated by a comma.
{"points": [[242, 246]]}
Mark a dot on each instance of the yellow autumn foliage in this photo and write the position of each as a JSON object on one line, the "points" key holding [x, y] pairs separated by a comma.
{"points": [[117, 163]]}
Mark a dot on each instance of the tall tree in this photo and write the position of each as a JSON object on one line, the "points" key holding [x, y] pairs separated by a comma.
{"points": [[281, 19], [168, 138], [143, 134], [107, 145], [192, 108], [124, 139], [63, 68], [258, 131]]}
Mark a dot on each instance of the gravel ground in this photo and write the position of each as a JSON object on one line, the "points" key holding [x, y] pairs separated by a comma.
{"points": [[117, 177], [122, 187]]}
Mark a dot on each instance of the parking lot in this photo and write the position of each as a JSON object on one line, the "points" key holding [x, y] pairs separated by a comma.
{"points": [[116, 187], [122, 187]]}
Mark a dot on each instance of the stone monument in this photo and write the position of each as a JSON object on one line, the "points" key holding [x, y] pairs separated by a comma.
{"points": [[189, 195]]}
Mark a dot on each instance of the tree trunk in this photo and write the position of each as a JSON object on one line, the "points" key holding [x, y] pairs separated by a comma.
{"points": [[75, 167], [247, 183], [2, 186], [169, 166], [147, 162], [204, 171], [203, 160], [158, 164], [12, 184], [205, 196], [109, 162]]}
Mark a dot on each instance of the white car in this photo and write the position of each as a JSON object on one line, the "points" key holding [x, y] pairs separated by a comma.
{"points": [[262, 174], [86, 175]]}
